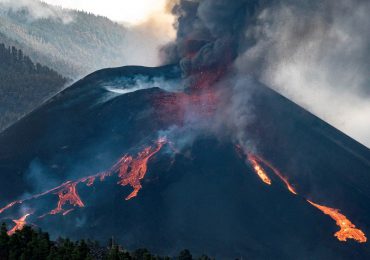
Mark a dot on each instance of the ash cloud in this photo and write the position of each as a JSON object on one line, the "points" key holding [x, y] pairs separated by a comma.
{"points": [[315, 53], [209, 33], [236, 112]]}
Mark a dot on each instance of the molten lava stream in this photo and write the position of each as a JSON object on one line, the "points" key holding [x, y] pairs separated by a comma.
{"points": [[347, 229], [259, 170], [19, 224], [68, 194], [277, 173], [129, 170], [133, 170]]}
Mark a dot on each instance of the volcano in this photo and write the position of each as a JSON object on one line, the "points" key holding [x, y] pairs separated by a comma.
{"points": [[117, 154]]}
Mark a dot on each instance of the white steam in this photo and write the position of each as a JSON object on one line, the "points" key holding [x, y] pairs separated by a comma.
{"points": [[318, 55]]}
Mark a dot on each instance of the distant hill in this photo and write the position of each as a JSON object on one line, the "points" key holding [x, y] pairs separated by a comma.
{"points": [[62, 39], [66, 42], [23, 84]]}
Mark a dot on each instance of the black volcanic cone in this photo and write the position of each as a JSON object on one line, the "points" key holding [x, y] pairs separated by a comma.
{"points": [[205, 197]]}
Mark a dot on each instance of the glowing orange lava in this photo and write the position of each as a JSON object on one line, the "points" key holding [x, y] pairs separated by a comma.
{"points": [[67, 195], [347, 229], [259, 170], [19, 224], [132, 171], [277, 173], [129, 170]]}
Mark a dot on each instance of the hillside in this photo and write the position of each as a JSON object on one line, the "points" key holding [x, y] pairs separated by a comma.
{"points": [[24, 85], [64, 40], [120, 154]]}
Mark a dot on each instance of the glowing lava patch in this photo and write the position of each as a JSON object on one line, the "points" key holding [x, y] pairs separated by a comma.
{"points": [[129, 170], [276, 172], [347, 229], [259, 170], [19, 224]]}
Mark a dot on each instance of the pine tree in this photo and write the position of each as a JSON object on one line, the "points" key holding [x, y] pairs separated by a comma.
{"points": [[185, 255], [31, 244], [4, 242]]}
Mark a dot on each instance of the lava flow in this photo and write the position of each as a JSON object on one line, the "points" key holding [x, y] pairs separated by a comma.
{"points": [[67, 194], [276, 172], [19, 224], [130, 171], [347, 229], [259, 170]]}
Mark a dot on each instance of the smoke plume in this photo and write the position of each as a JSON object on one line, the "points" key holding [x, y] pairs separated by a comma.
{"points": [[315, 53]]}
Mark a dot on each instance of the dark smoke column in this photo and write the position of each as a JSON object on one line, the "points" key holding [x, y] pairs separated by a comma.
{"points": [[210, 35]]}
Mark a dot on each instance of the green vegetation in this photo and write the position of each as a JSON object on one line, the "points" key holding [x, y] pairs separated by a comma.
{"points": [[23, 84], [74, 43], [31, 244]]}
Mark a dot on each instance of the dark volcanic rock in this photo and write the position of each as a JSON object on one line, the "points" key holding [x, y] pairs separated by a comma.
{"points": [[205, 198]]}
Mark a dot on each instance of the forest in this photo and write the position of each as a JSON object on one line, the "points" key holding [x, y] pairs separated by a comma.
{"points": [[24, 85], [74, 43], [33, 244]]}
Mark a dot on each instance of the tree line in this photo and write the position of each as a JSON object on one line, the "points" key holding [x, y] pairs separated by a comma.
{"points": [[34, 244]]}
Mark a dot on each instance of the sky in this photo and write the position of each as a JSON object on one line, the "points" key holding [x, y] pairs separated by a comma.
{"points": [[127, 11]]}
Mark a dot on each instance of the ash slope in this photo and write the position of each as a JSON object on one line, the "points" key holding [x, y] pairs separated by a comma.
{"points": [[206, 198]]}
